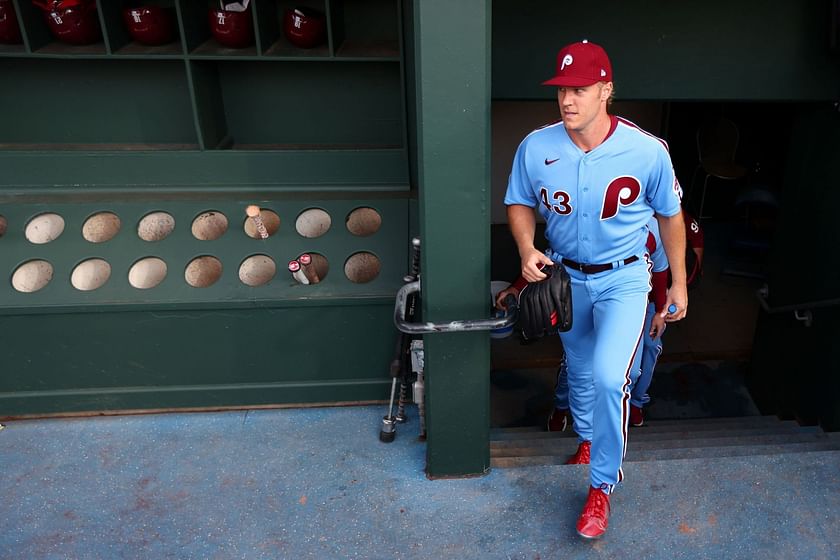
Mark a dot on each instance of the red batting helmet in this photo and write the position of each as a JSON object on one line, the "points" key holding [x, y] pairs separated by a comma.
{"points": [[305, 27], [232, 29], [150, 25], [71, 21]]}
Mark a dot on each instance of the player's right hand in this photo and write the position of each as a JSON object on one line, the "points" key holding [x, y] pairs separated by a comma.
{"points": [[532, 263]]}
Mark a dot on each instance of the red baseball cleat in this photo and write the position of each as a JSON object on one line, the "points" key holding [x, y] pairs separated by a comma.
{"points": [[593, 521], [637, 416], [582, 455], [559, 420]]}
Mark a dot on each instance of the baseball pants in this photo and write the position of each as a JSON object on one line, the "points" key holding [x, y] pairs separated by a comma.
{"points": [[603, 355]]}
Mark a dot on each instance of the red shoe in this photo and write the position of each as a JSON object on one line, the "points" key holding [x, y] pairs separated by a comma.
{"points": [[582, 455], [559, 420], [637, 417], [592, 523]]}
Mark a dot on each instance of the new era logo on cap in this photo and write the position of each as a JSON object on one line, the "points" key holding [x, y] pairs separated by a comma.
{"points": [[581, 64]]}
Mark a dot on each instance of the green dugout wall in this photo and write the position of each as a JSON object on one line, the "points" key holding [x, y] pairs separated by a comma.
{"points": [[132, 278], [386, 125]]}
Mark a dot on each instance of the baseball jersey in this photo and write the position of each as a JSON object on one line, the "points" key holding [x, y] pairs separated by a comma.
{"points": [[596, 204]]}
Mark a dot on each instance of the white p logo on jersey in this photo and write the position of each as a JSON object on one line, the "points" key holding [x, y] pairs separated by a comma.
{"points": [[567, 61]]}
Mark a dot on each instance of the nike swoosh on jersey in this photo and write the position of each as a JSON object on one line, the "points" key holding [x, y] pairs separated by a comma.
{"points": [[550, 161]]}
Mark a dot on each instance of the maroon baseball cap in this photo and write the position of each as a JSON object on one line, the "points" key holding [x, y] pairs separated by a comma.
{"points": [[581, 64]]}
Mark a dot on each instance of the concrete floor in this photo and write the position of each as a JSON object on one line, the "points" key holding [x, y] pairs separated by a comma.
{"points": [[317, 483]]}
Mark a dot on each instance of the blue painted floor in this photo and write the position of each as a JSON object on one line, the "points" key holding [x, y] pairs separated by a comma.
{"points": [[317, 483]]}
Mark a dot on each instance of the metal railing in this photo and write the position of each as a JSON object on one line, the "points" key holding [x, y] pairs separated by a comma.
{"points": [[450, 326], [801, 311]]}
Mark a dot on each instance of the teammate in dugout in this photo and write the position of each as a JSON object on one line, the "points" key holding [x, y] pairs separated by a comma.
{"points": [[561, 418], [597, 179]]}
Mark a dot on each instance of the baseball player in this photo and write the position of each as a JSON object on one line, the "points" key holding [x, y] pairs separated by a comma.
{"points": [[560, 418], [596, 180]]}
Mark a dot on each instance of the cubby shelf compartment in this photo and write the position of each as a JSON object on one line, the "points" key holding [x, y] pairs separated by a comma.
{"points": [[365, 28], [104, 103], [119, 39], [298, 105], [273, 41]]}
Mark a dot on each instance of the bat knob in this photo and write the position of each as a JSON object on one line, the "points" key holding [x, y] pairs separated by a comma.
{"points": [[388, 431], [253, 211]]}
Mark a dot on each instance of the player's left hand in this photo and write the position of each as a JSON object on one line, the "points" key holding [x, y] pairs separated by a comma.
{"points": [[676, 305], [500, 298]]}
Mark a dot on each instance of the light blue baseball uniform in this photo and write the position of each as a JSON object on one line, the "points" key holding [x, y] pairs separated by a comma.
{"points": [[597, 205], [651, 348]]}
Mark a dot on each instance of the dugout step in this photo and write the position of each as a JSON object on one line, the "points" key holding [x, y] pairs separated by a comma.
{"points": [[669, 454], [669, 439], [640, 435], [684, 425]]}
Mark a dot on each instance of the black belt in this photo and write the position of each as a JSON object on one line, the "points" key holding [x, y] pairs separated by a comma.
{"points": [[596, 268]]}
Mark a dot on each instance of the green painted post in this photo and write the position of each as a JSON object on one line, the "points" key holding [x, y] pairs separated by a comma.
{"points": [[452, 76]]}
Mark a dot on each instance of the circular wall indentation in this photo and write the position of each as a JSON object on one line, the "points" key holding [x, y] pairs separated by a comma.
{"points": [[317, 269], [31, 276], [147, 273], [363, 221], [203, 271], [101, 227], [209, 225], [3, 225], [257, 270], [313, 222], [270, 220], [44, 228], [90, 274], [362, 267], [155, 226]]}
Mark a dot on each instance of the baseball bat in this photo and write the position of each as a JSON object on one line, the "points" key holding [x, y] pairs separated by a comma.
{"points": [[297, 272], [308, 268], [253, 212]]}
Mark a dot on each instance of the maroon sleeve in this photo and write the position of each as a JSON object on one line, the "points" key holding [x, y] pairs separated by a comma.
{"points": [[519, 284], [659, 292], [650, 244], [693, 232]]}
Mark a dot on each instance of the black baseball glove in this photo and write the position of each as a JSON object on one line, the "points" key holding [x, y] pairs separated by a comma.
{"points": [[545, 307]]}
